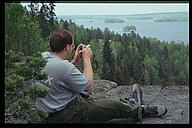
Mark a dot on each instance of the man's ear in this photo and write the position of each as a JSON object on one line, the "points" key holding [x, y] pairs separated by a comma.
{"points": [[67, 47]]}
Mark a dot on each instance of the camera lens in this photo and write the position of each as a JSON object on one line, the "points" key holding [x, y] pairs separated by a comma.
{"points": [[81, 47]]}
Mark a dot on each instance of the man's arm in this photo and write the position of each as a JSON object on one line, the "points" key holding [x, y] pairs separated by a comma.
{"points": [[87, 68], [85, 52], [78, 54]]}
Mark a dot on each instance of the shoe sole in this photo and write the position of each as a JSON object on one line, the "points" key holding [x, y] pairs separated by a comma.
{"points": [[137, 89], [161, 108]]}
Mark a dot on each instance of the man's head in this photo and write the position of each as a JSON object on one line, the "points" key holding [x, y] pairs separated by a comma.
{"points": [[60, 40]]}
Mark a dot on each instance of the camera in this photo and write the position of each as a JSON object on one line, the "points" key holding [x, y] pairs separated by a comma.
{"points": [[81, 46]]}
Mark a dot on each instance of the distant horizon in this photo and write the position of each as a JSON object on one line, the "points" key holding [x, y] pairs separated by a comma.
{"points": [[124, 14]]}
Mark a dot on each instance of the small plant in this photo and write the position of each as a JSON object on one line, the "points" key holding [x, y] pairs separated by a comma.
{"points": [[20, 90]]}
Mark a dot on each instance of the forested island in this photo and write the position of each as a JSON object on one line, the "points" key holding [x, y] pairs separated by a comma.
{"points": [[162, 17], [124, 59], [114, 20]]}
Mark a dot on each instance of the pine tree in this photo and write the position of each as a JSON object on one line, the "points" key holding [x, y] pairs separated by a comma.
{"points": [[23, 63], [108, 59], [34, 9], [65, 25]]}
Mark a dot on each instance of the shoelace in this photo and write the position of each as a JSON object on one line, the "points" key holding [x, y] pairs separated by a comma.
{"points": [[134, 96]]}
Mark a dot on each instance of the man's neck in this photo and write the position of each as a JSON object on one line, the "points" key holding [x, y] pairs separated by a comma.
{"points": [[60, 54]]}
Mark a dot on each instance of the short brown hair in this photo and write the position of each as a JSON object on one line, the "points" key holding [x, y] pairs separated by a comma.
{"points": [[59, 40]]}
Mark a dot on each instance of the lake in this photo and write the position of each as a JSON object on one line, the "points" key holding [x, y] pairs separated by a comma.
{"points": [[164, 31]]}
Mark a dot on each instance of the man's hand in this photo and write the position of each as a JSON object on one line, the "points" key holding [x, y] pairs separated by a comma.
{"points": [[78, 54], [86, 52]]}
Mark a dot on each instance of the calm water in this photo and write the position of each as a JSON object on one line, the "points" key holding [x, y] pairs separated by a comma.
{"points": [[164, 31]]}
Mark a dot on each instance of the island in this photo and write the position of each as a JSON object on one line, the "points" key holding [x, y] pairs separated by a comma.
{"points": [[129, 28], [172, 20], [114, 20]]}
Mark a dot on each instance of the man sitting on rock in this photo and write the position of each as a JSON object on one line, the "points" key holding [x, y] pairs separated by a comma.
{"points": [[68, 101]]}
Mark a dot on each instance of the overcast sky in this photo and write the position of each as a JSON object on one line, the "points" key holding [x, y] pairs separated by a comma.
{"points": [[117, 8]]}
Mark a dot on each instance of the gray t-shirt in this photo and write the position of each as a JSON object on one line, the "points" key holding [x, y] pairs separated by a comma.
{"points": [[66, 81]]}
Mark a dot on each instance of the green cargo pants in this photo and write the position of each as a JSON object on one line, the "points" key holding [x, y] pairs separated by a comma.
{"points": [[95, 110]]}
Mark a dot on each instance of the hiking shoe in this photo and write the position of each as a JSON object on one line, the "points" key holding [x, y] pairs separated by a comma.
{"points": [[153, 111], [136, 95]]}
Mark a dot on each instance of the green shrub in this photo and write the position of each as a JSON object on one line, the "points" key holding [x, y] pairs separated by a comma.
{"points": [[13, 81], [20, 90]]}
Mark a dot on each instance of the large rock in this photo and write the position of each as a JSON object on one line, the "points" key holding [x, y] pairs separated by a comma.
{"points": [[101, 86]]}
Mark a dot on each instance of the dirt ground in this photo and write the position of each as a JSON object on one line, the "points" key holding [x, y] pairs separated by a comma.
{"points": [[175, 98]]}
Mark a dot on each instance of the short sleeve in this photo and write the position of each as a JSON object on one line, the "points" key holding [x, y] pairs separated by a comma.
{"points": [[76, 80]]}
